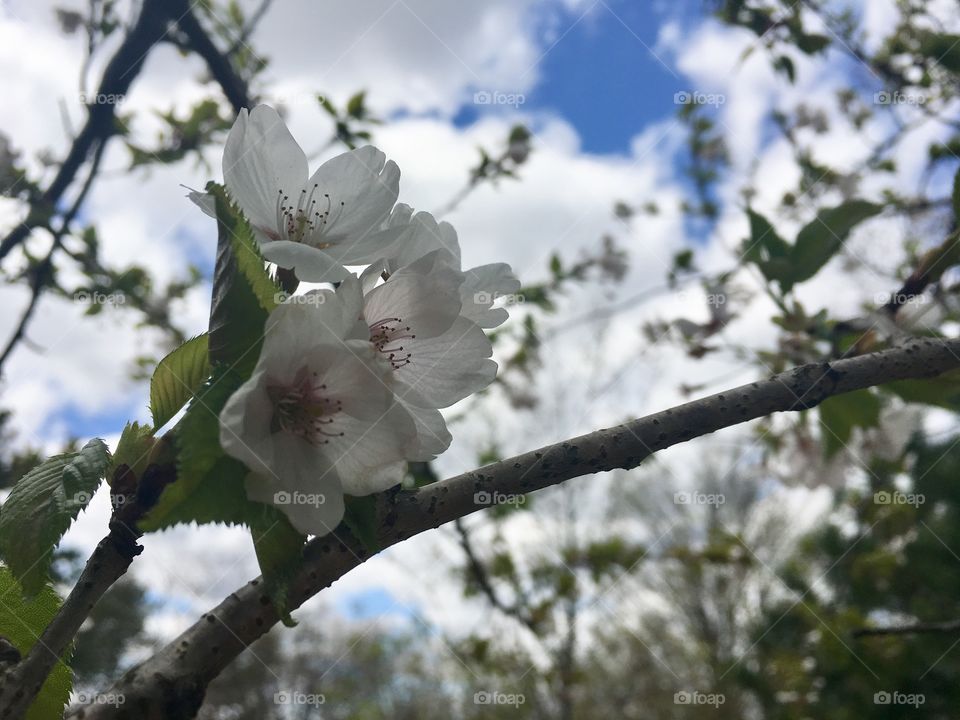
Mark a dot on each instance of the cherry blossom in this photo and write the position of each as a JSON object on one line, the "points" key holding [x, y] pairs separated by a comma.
{"points": [[334, 217], [318, 417]]}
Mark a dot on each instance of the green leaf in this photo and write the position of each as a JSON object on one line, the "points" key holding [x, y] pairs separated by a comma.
{"points": [[812, 44], [820, 239], [279, 548], [766, 249], [41, 507], [355, 104], [840, 414], [556, 266], [243, 293], [198, 451], [177, 378], [944, 49], [941, 391], [783, 64], [133, 450], [360, 515], [327, 105], [21, 623]]}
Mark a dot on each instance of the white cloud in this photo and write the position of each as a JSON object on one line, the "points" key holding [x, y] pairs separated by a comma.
{"points": [[563, 201]]}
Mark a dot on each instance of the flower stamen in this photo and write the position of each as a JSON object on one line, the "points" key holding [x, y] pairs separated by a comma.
{"points": [[305, 222], [385, 333], [304, 409]]}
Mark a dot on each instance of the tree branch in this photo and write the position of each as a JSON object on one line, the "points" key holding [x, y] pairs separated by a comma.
{"points": [[932, 628], [234, 87], [44, 269], [131, 498], [100, 125], [479, 573], [172, 683]]}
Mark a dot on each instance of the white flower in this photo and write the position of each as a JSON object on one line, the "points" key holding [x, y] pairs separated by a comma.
{"points": [[332, 218], [437, 357], [317, 418], [421, 234]]}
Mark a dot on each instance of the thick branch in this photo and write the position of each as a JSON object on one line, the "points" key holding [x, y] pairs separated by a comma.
{"points": [[233, 86], [172, 683]]}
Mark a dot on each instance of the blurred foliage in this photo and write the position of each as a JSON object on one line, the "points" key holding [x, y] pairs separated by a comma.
{"points": [[717, 599], [883, 561]]}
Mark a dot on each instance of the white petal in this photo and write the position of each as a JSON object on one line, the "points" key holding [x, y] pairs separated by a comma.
{"points": [[400, 216], [366, 184], [482, 285], [245, 425], [204, 201], [372, 275], [368, 446], [447, 368], [364, 248], [315, 509], [260, 159], [309, 264], [349, 302], [425, 296], [296, 334], [433, 437], [361, 380], [421, 236], [379, 479]]}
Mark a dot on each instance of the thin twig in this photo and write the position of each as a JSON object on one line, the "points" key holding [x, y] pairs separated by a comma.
{"points": [[932, 628], [41, 273]]}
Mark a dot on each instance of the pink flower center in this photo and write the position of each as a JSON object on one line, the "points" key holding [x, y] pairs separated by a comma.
{"points": [[304, 408]]}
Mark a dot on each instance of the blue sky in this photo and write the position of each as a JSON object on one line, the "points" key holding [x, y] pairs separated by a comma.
{"points": [[599, 72], [603, 78]]}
